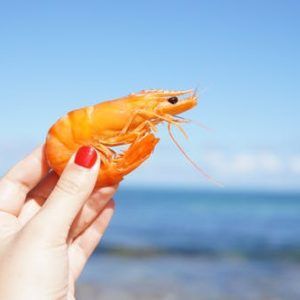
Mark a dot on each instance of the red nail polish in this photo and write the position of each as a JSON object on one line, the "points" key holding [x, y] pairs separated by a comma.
{"points": [[86, 157]]}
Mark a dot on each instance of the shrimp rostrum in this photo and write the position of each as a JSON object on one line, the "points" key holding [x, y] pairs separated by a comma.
{"points": [[130, 120]]}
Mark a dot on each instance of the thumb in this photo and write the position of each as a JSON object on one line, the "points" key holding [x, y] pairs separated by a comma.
{"points": [[69, 195]]}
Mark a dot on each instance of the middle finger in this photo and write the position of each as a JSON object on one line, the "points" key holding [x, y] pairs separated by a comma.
{"points": [[95, 204]]}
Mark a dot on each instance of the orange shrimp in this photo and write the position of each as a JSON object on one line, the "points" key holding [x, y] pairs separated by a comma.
{"points": [[130, 120]]}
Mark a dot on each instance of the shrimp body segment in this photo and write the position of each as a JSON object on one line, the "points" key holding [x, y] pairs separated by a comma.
{"points": [[130, 120]]}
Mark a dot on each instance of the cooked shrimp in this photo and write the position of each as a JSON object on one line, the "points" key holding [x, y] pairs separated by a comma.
{"points": [[130, 120]]}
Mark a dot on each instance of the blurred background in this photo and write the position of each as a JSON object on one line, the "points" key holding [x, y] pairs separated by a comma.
{"points": [[174, 234]]}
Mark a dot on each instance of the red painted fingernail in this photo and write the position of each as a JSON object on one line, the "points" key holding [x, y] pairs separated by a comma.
{"points": [[86, 157]]}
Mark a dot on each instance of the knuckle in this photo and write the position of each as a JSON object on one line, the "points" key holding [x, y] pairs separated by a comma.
{"points": [[107, 192], [32, 230], [68, 186]]}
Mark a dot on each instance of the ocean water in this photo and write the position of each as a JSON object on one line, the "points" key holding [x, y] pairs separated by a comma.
{"points": [[182, 244]]}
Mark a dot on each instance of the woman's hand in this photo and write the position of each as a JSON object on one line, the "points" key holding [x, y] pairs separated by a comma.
{"points": [[48, 226]]}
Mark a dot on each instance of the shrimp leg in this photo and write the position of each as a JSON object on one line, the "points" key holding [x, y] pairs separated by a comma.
{"points": [[135, 155]]}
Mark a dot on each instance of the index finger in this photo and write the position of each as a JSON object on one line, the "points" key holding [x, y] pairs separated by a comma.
{"points": [[23, 177]]}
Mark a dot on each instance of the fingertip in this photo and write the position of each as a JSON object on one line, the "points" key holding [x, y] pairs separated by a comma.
{"points": [[86, 157], [85, 160]]}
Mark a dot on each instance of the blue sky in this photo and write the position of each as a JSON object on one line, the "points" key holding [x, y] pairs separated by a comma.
{"points": [[244, 57]]}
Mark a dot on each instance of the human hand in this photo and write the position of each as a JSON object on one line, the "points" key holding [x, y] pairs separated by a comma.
{"points": [[49, 227]]}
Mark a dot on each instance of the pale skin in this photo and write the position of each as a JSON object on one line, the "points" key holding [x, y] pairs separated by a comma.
{"points": [[49, 227]]}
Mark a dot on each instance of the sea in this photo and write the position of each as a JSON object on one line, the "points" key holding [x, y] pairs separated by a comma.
{"points": [[195, 244]]}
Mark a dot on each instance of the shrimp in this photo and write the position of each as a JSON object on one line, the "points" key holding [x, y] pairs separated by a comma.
{"points": [[131, 120]]}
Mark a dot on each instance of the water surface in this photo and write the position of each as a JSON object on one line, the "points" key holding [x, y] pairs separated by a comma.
{"points": [[175, 244]]}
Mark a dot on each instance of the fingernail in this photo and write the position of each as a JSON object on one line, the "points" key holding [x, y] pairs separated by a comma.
{"points": [[86, 157]]}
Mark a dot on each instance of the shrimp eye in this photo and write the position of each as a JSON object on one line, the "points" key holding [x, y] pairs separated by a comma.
{"points": [[173, 100]]}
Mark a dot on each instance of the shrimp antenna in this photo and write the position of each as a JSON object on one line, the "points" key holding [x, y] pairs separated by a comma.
{"points": [[195, 91], [181, 130], [169, 119], [203, 90], [198, 123], [198, 168]]}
